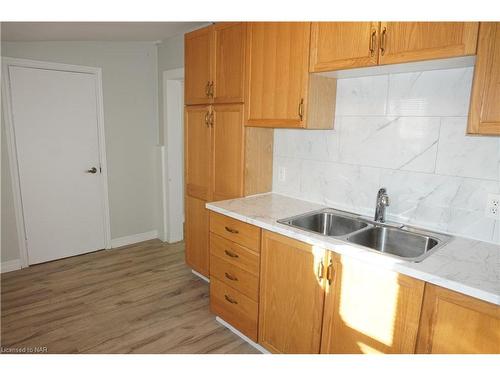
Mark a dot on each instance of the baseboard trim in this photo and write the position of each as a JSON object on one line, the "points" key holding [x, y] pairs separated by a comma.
{"points": [[134, 238], [241, 335], [11, 265], [204, 278]]}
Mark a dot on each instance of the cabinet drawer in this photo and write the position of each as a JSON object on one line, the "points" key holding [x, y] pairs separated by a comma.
{"points": [[235, 277], [234, 254], [236, 231], [236, 309]]}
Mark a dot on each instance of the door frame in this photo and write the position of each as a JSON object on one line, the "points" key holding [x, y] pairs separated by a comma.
{"points": [[11, 145], [172, 181]]}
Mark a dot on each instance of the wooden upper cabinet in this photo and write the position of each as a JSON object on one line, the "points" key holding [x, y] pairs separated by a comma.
{"points": [[198, 47], [453, 323], [277, 74], [343, 45], [229, 63], [370, 310], [214, 64], [484, 114], [291, 295], [413, 41], [197, 150], [196, 235], [228, 151]]}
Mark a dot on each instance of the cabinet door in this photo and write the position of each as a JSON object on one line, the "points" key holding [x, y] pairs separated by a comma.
{"points": [[228, 151], [453, 323], [370, 310], [229, 62], [277, 74], [343, 45], [484, 115], [196, 234], [198, 66], [291, 295], [412, 41], [197, 149]]}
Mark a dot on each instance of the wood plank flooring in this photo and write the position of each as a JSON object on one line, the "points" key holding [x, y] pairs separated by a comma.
{"points": [[137, 299]]}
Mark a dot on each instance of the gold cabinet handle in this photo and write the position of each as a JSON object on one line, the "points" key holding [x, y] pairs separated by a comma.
{"points": [[207, 124], [207, 89], [230, 277], [230, 300], [211, 89], [383, 40], [329, 273], [301, 109], [320, 270], [231, 254], [231, 230], [211, 120], [373, 42]]}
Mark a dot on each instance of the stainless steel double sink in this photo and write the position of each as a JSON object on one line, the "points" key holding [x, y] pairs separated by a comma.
{"points": [[400, 241]]}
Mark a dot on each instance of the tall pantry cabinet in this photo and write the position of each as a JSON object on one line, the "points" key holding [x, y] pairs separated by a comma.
{"points": [[223, 158]]}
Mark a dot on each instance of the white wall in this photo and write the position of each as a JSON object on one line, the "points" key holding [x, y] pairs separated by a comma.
{"points": [[405, 132], [130, 88]]}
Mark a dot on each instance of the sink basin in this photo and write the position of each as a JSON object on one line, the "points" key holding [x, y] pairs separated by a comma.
{"points": [[326, 223], [392, 239], [401, 243]]}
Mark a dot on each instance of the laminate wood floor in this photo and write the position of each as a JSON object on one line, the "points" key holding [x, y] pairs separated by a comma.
{"points": [[137, 299]]}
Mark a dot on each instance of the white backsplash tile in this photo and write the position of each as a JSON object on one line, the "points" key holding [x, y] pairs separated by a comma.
{"points": [[440, 202], [341, 185], [390, 142], [430, 93], [315, 145], [405, 132], [362, 96], [291, 186], [471, 224], [465, 155]]}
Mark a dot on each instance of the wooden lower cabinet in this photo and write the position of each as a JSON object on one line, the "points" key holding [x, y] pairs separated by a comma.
{"points": [[369, 309], [234, 307], [235, 277], [196, 235], [235, 231], [234, 272], [291, 295], [453, 323], [306, 300]]}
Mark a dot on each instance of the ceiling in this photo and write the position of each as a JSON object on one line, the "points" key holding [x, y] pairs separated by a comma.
{"points": [[94, 31]]}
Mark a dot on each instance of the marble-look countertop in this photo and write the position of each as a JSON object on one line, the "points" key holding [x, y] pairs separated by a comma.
{"points": [[467, 266]]}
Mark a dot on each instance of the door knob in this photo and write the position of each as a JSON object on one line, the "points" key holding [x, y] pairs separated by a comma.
{"points": [[92, 170]]}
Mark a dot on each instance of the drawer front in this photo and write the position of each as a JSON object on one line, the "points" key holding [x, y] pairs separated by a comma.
{"points": [[235, 277], [235, 254], [234, 230], [236, 309]]}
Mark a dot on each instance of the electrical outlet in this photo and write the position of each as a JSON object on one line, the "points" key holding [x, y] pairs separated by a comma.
{"points": [[493, 206], [282, 174]]}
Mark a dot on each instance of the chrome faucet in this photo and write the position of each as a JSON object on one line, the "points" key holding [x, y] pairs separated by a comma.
{"points": [[382, 203]]}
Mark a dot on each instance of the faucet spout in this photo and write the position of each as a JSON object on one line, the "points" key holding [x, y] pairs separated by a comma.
{"points": [[381, 204]]}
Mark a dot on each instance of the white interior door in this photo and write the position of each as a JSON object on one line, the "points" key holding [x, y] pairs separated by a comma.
{"points": [[55, 118]]}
